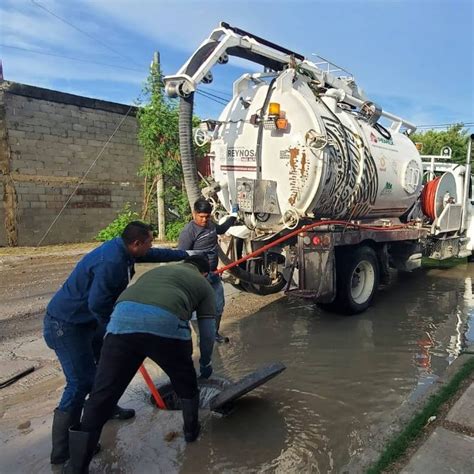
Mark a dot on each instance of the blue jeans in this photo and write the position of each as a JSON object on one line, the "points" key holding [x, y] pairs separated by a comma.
{"points": [[218, 287], [74, 345]]}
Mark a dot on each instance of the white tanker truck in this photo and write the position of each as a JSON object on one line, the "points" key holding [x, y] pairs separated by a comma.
{"points": [[330, 198]]}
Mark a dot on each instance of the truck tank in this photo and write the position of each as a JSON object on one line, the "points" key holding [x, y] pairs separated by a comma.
{"points": [[285, 151]]}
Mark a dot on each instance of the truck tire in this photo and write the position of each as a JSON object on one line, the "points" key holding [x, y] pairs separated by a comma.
{"points": [[357, 279]]}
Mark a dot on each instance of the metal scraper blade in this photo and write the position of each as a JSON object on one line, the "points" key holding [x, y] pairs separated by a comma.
{"points": [[251, 381]]}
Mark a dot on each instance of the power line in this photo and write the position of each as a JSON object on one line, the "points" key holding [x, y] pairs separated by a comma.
{"points": [[205, 94], [69, 57], [220, 91], [34, 2], [210, 98], [215, 96], [439, 125]]}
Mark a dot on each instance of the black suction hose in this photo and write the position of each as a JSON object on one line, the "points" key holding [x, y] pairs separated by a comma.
{"points": [[242, 274], [191, 182], [188, 162]]}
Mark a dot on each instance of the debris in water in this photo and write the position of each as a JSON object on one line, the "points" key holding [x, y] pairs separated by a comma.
{"points": [[430, 420]]}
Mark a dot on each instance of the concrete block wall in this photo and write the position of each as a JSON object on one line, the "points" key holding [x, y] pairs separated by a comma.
{"points": [[48, 140], [3, 237]]}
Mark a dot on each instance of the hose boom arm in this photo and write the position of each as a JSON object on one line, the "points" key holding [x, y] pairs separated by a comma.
{"points": [[227, 40]]}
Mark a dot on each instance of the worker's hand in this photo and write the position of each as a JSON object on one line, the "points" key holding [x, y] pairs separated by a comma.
{"points": [[206, 371], [235, 210]]}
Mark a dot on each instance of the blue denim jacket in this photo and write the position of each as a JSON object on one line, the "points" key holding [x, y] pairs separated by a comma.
{"points": [[96, 282]]}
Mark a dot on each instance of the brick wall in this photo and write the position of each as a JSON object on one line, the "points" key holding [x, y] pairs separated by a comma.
{"points": [[48, 140]]}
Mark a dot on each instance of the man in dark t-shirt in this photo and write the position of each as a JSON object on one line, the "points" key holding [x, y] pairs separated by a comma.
{"points": [[200, 236], [151, 319]]}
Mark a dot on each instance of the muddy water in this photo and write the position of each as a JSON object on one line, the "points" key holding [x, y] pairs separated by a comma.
{"points": [[344, 374]]}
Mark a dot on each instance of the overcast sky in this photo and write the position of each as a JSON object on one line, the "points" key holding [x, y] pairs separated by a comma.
{"points": [[415, 58]]}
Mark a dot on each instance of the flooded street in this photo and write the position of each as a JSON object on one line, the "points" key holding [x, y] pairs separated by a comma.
{"points": [[345, 377], [344, 374]]}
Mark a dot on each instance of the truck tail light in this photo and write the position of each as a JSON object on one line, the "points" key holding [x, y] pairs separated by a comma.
{"points": [[281, 123]]}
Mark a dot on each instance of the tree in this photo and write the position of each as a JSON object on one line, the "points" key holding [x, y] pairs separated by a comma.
{"points": [[433, 141], [161, 169], [157, 134]]}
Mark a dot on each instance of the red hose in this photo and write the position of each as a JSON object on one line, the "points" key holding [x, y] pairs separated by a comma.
{"points": [[156, 395], [428, 196], [304, 229]]}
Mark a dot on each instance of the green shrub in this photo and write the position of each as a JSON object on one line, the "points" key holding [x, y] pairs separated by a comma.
{"points": [[173, 229], [115, 228]]}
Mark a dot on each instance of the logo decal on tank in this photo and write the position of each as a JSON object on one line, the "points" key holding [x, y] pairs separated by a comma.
{"points": [[383, 140], [387, 189], [241, 153]]}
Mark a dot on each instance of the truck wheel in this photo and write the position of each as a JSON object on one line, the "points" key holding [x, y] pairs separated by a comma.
{"points": [[357, 279]]}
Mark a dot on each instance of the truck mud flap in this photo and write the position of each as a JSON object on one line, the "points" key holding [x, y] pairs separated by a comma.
{"points": [[316, 267]]}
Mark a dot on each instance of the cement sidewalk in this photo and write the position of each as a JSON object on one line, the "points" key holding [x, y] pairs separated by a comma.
{"points": [[450, 447]]}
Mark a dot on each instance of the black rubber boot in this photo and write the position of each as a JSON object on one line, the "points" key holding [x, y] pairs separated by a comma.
{"points": [[82, 446], [219, 337], [191, 426], [120, 413], [62, 421]]}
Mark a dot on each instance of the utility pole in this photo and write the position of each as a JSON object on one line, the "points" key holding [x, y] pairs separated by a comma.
{"points": [[160, 183]]}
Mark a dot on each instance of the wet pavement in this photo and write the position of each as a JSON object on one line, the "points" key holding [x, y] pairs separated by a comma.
{"points": [[345, 377]]}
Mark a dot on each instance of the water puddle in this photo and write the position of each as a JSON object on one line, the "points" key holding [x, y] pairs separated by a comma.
{"points": [[344, 374]]}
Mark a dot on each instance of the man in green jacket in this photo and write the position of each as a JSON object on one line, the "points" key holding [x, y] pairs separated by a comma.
{"points": [[151, 319]]}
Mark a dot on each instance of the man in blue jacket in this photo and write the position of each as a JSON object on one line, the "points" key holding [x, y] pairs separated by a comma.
{"points": [[77, 315]]}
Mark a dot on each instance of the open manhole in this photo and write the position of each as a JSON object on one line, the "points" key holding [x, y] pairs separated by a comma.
{"points": [[208, 389], [218, 393]]}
